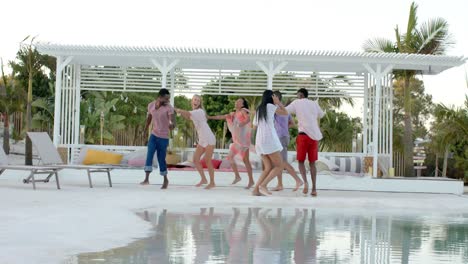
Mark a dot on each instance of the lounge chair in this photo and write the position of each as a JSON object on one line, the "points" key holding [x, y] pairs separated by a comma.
{"points": [[50, 170], [50, 156]]}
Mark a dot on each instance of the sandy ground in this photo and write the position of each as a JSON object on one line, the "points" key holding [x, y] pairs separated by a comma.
{"points": [[49, 225]]}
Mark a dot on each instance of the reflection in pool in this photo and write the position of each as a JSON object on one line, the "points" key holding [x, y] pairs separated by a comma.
{"points": [[262, 235]]}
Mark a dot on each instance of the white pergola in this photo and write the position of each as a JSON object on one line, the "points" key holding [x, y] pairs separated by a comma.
{"points": [[219, 71]]}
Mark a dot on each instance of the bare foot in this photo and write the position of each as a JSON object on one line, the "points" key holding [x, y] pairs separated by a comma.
{"points": [[306, 188], [313, 193], [298, 185], [144, 183], [201, 183], [264, 191], [165, 183], [277, 188], [210, 186], [250, 185], [236, 180], [257, 193]]}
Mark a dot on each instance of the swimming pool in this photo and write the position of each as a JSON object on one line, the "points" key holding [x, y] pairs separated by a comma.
{"points": [[290, 235]]}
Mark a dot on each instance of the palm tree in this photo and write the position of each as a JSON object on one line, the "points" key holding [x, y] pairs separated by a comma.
{"points": [[432, 37], [11, 100], [451, 130], [44, 116], [95, 104], [30, 64], [338, 130]]}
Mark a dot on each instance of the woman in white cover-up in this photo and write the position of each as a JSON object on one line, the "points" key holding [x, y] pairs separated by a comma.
{"points": [[206, 139], [267, 143]]}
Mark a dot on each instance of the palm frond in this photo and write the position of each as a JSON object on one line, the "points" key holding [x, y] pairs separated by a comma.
{"points": [[412, 22], [433, 37], [398, 39], [379, 45]]}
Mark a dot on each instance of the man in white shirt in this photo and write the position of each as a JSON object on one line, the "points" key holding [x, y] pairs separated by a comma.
{"points": [[308, 113]]}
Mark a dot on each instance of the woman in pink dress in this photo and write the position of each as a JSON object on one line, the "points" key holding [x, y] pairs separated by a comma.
{"points": [[239, 125], [206, 139]]}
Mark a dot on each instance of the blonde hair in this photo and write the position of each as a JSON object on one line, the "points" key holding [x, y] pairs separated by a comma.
{"points": [[200, 106]]}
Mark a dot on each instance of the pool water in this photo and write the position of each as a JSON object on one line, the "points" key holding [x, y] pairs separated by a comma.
{"points": [[275, 235]]}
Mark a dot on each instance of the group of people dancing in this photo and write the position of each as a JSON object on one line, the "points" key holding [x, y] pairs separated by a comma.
{"points": [[272, 120]]}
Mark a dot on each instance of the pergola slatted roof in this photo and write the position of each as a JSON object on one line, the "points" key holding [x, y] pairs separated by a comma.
{"points": [[145, 68], [235, 58]]}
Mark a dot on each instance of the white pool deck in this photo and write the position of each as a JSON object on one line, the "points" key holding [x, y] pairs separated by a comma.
{"points": [[49, 225]]}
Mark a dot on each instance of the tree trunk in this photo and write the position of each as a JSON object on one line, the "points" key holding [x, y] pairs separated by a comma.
{"points": [[436, 173], [408, 133], [136, 135], [6, 133], [28, 147], [444, 168]]}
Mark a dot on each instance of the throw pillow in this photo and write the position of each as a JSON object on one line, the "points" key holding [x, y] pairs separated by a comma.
{"points": [[138, 158], [329, 163], [348, 164], [216, 163], [101, 157]]}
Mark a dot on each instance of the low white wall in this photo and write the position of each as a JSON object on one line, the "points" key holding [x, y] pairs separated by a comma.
{"points": [[366, 183]]}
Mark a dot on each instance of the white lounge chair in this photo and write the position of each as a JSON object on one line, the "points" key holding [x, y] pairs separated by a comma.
{"points": [[50, 170], [50, 156]]}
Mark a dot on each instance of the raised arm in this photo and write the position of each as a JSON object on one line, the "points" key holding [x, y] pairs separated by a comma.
{"points": [[172, 120], [320, 112], [280, 110], [218, 117], [185, 114]]}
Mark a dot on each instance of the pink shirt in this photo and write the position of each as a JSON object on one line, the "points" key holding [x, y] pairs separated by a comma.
{"points": [[307, 112], [240, 134], [161, 118]]}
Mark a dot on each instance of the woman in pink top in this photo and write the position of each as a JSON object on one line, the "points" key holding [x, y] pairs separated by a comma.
{"points": [[206, 139], [239, 125]]}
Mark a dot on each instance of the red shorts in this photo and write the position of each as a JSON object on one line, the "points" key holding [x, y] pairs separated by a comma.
{"points": [[306, 146]]}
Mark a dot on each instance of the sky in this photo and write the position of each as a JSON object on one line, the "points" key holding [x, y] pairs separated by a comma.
{"points": [[292, 24]]}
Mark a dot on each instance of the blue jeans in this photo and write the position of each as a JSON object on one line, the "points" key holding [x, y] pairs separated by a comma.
{"points": [[158, 145]]}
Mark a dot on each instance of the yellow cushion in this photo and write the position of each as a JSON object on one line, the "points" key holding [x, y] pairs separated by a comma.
{"points": [[101, 157]]}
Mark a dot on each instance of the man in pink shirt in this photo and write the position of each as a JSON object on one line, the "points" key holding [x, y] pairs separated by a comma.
{"points": [[308, 113], [161, 113]]}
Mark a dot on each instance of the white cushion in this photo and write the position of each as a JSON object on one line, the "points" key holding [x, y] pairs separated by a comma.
{"points": [[327, 163], [254, 158], [348, 164]]}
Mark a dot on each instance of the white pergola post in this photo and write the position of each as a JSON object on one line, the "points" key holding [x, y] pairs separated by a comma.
{"points": [[271, 71], [61, 64], [77, 103], [172, 86], [365, 115], [378, 74], [164, 67]]}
